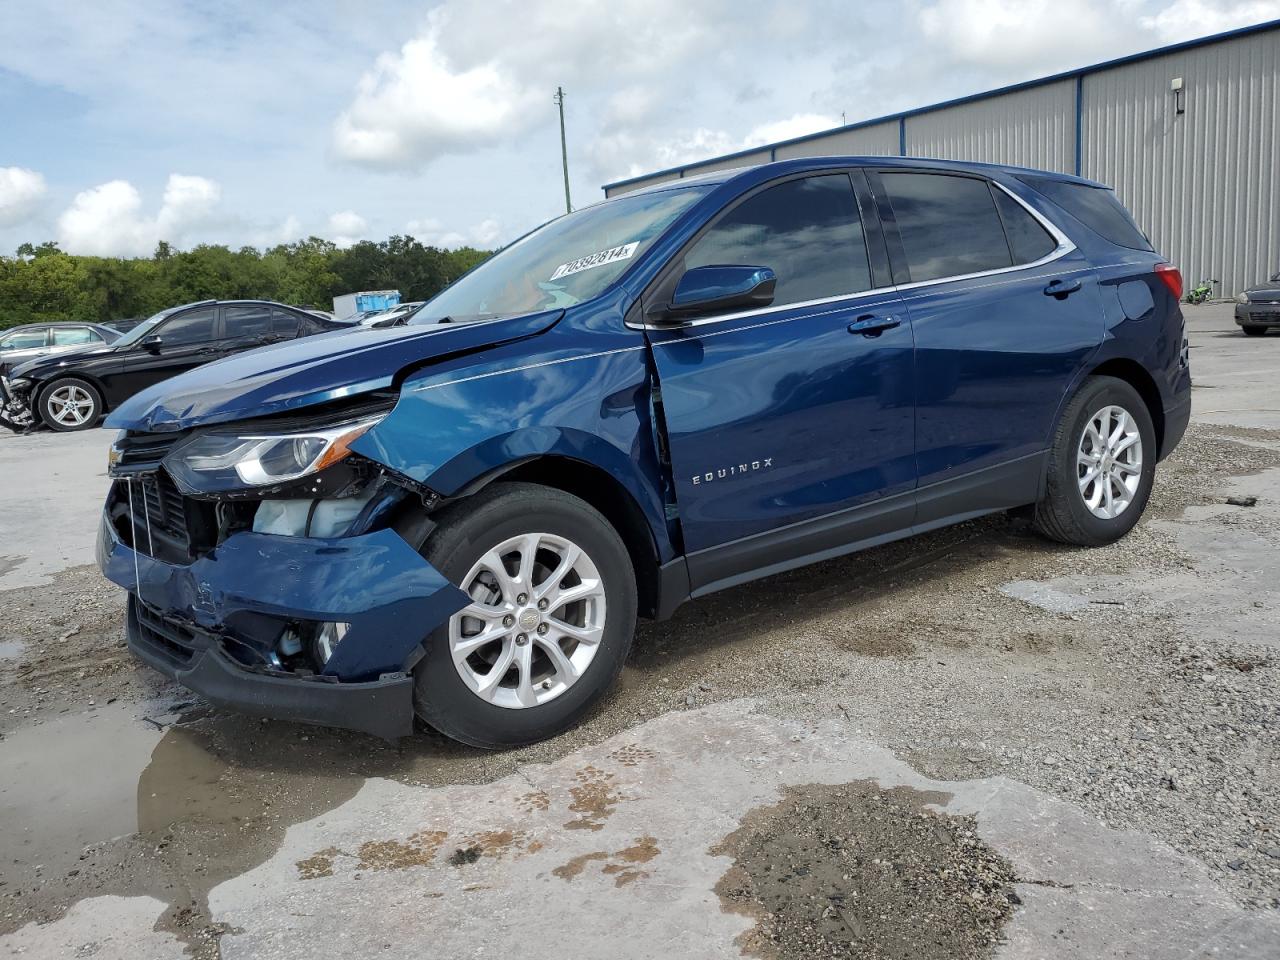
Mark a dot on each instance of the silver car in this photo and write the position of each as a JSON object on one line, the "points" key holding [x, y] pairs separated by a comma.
{"points": [[20, 344]]}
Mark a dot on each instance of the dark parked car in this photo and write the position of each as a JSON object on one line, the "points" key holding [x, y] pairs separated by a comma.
{"points": [[20, 344], [1259, 307], [669, 393], [73, 390]]}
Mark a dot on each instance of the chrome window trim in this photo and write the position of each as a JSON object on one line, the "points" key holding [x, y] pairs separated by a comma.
{"points": [[1064, 247]]}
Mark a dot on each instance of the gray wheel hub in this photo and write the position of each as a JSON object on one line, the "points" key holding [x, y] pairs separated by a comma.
{"points": [[1109, 462], [534, 624]]}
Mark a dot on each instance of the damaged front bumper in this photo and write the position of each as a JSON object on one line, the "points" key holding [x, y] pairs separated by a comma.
{"points": [[15, 407], [216, 625]]}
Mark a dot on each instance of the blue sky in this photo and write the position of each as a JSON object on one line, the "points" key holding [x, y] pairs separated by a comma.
{"points": [[127, 122]]}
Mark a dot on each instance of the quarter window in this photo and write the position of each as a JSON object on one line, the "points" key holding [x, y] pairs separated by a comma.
{"points": [[807, 231], [248, 320], [195, 326], [1028, 241], [948, 225]]}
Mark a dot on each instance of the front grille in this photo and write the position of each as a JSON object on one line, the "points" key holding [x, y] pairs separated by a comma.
{"points": [[142, 452], [158, 515]]}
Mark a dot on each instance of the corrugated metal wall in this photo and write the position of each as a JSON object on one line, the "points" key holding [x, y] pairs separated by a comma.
{"points": [[1031, 128], [640, 184], [1204, 185]]}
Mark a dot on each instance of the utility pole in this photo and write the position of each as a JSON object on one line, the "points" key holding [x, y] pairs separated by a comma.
{"points": [[564, 150]]}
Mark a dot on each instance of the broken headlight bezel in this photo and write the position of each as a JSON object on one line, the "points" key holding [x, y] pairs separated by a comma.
{"points": [[217, 461]]}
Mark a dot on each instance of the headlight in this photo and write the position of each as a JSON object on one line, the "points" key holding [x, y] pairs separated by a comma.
{"points": [[225, 461], [1242, 298]]}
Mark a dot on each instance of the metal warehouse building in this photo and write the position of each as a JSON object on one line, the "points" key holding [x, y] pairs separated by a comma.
{"points": [[1189, 136]]}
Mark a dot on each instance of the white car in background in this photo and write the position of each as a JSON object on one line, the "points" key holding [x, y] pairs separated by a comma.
{"points": [[394, 317]]}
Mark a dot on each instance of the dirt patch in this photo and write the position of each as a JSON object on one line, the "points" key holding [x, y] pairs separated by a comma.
{"points": [[417, 851], [632, 755], [594, 798], [856, 871], [623, 865]]}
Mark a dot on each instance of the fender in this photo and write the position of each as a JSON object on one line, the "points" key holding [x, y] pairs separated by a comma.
{"points": [[452, 427]]}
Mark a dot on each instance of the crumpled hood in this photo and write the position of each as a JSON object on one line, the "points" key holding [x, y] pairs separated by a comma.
{"points": [[309, 371], [49, 363]]}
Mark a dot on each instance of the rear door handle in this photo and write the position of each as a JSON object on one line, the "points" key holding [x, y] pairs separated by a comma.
{"points": [[1061, 289], [870, 325]]}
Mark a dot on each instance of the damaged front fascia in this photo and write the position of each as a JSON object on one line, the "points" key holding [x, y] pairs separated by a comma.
{"points": [[15, 409]]}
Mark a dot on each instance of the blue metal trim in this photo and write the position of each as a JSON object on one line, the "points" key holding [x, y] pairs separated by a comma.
{"points": [[902, 136], [1079, 121], [959, 101]]}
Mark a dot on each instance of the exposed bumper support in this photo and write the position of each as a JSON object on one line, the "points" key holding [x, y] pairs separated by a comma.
{"points": [[212, 625]]}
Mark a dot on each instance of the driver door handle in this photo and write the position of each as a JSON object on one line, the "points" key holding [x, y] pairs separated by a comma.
{"points": [[1062, 288], [870, 325]]}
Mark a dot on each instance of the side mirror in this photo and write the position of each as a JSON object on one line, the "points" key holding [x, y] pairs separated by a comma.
{"points": [[713, 289], [152, 343]]}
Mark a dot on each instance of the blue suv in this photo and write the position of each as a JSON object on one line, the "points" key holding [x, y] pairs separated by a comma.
{"points": [[669, 393]]}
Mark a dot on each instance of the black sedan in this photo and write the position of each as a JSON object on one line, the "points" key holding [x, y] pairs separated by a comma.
{"points": [[71, 391], [1259, 307]]}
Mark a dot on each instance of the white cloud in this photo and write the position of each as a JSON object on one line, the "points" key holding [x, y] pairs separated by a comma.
{"points": [[1185, 19], [21, 193], [1029, 38], [1035, 35], [796, 126], [432, 233], [347, 227], [480, 74], [107, 220]]}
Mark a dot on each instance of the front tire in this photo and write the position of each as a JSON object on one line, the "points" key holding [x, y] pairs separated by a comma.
{"points": [[1101, 466], [1254, 330], [550, 625], [70, 404]]}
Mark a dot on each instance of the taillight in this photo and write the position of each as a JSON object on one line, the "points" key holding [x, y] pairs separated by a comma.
{"points": [[1172, 278]]}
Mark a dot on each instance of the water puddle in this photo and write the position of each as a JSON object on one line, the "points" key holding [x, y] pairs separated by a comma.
{"points": [[11, 649], [69, 783]]}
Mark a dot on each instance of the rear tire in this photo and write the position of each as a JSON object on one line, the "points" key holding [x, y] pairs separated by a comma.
{"points": [[549, 679], [70, 404], [1101, 466], [1253, 330]]}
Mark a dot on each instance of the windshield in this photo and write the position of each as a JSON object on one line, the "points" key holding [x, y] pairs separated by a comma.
{"points": [[567, 261], [142, 329]]}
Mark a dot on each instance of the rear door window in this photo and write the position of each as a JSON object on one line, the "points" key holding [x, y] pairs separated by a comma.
{"points": [[1096, 207], [1028, 240], [284, 323], [807, 231], [948, 225], [195, 326], [246, 321]]}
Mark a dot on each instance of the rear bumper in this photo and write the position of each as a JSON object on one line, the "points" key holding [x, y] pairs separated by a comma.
{"points": [[215, 625], [1176, 419]]}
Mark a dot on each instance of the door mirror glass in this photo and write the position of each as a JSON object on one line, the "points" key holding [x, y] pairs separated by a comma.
{"points": [[713, 289], [152, 343]]}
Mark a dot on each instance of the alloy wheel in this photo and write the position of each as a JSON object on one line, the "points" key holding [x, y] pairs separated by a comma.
{"points": [[1109, 462], [71, 406], [534, 624]]}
